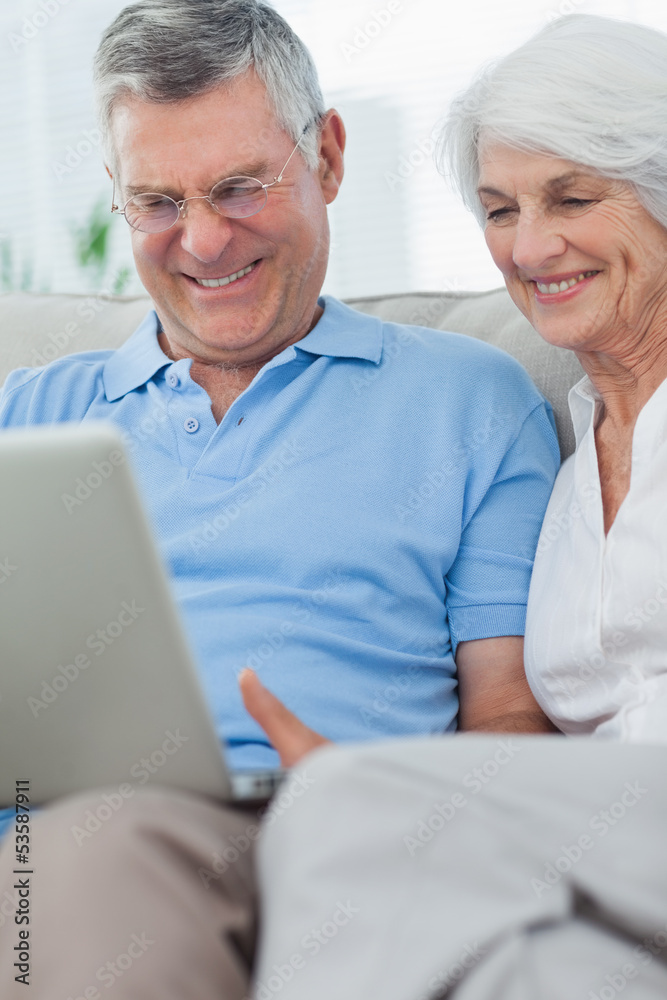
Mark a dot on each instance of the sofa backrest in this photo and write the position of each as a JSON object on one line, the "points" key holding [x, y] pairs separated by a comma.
{"points": [[37, 328]]}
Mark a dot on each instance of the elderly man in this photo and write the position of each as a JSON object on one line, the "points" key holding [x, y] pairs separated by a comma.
{"points": [[376, 491]]}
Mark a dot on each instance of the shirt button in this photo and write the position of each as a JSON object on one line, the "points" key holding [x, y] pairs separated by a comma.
{"points": [[173, 380], [240, 421], [191, 425]]}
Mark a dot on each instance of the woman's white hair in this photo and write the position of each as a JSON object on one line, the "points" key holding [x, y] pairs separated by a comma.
{"points": [[588, 89], [172, 50]]}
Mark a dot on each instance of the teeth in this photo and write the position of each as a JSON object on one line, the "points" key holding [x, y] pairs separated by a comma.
{"points": [[219, 282], [552, 288]]}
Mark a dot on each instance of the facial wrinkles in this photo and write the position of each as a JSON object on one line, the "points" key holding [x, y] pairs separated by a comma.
{"points": [[641, 273], [242, 246], [624, 308], [185, 150], [258, 170]]}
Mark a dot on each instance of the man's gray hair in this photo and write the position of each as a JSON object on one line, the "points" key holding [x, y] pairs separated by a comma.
{"points": [[588, 89], [165, 51]]}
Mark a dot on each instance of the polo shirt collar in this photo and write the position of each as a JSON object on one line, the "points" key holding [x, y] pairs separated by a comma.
{"points": [[136, 361], [340, 332]]}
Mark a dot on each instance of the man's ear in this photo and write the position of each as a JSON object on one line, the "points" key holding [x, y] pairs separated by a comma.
{"points": [[332, 146]]}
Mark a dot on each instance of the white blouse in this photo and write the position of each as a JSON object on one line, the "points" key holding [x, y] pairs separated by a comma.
{"points": [[596, 631]]}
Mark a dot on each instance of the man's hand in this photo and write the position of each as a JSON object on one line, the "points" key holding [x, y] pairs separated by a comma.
{"points": [[494, 696], [287, 734]]}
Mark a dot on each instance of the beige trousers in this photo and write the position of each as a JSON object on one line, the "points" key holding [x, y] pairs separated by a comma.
{"points": [[157, 903], [480, 868], [476, 867]]}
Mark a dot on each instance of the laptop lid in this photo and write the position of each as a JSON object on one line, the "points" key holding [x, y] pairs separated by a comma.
{"points": [[97, 686]]}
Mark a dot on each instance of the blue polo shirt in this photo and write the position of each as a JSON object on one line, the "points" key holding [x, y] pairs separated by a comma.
{"points": [[372, 498]]}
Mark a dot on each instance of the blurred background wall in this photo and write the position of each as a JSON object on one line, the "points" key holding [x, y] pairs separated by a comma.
{"points": [[390, 67]]}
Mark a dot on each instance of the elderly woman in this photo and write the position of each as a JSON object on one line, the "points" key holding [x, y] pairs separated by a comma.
{"points": [[531, 867], [568, 176]]}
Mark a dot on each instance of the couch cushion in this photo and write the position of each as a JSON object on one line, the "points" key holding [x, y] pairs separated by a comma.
{"points": [[36, 328]]}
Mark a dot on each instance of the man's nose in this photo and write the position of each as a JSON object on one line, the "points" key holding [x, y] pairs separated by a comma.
{"points": [[537, 240], [204, 232]]}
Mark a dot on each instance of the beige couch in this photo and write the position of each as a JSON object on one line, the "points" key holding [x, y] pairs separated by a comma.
{"points": [[35, 329]]}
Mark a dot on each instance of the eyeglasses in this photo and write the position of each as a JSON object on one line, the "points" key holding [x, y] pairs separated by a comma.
{"points": [[233, 197]]}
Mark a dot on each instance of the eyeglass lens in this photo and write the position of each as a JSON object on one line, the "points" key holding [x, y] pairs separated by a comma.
{"points": [[234, 197]]}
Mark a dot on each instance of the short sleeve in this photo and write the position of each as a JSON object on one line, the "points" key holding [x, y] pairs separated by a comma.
{"points": [[488, 582]]}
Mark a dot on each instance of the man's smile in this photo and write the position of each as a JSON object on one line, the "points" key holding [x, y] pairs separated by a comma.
{"points": [[219, 282]]}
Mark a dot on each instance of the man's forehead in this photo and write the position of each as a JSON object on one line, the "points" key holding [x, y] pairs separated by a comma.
{"points": [[232, 124], [241, 104]]}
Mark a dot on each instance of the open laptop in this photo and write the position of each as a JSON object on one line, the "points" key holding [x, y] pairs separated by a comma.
{"points": [[97, 686]]}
